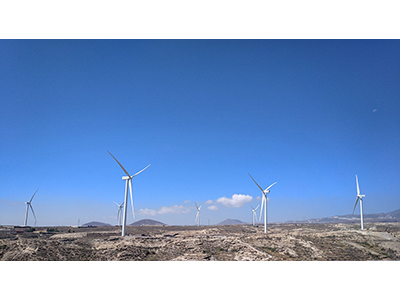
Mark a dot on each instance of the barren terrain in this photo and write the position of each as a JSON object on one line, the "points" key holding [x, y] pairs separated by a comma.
{"points": [[304, 242]]}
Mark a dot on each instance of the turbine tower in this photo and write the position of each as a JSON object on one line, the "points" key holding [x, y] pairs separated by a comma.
{"points": [[359, 197], [128, 183], [198, 214], [119, 215], [254, 214], [28, 204], [264, 199]]}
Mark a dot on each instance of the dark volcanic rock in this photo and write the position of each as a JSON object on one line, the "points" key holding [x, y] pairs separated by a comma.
{"points": [[230, 222], [95, 224], [147, 222]]}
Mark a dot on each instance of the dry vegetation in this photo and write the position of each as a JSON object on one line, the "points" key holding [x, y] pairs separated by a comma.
{"points": [[304, 242]]}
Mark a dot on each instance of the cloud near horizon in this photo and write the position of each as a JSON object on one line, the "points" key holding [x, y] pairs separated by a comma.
{"points": [[213, 207], [237, 200], [174, 209]]}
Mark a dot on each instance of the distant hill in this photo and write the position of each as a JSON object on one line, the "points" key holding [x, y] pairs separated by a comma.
{"points": [[146, 222], [393, 216], [95, 224], [230, 222]]}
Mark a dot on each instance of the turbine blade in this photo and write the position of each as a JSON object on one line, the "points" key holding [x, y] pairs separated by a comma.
{"points": [[197, 216], [257, 206], [355, 205], [358, 187], [33, 196], [251, 207], [262, 204], [271, 185], [119, 164], [32, 211], [200, 206], [257, 184], [196, 205], [116, 203], [130, 189], [139, 171]]}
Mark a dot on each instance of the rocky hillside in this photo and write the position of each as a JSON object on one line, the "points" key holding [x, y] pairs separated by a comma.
{"points": [[393, 216], [231, 222], [146, 222], [301, 242], [95, 224]]}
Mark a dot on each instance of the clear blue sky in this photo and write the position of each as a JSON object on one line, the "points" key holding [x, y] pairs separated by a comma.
{"points": [[309, 114]]}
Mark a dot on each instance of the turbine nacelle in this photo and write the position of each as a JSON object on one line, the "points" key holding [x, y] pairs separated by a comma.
{"points": [[254, 209], [264, 199], [29, 205], [198, 213], [359, 197], [128, 186]]}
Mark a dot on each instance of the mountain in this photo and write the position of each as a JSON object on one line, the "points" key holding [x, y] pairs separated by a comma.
{"points": [[393, 216], [95, 224], [230, 222], [146, 222]]}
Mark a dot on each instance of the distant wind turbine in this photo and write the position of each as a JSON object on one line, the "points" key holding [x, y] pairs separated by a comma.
{"points": [[359, 197], [119, 215], [29, 204], [198, 214], [254, 214], [128, 180], [264, 199]]}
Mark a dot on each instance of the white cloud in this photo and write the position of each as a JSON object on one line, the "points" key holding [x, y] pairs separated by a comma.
{"points": [[208, 202], [174, 209], [146, 211], [259, 198], [213, 207], [237, 200]]}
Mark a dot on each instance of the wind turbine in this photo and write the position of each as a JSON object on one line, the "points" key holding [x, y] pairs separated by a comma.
{"points": [[119, 215], [264, 199], [254, 214], [128, 180], [359, 197], [28, 204], [198, 213]]}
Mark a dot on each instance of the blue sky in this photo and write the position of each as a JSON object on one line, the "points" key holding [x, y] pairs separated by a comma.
{"points": [[309, 114]]}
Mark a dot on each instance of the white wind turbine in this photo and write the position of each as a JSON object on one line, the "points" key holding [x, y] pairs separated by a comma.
{"points": [[359, 197], [28, 204], [198, 214], [119, 215], [264, 199], [254, 214], [128, 180]]}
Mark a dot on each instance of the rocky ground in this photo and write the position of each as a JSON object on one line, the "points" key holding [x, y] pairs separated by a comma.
{"points": [[284, 242]]}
